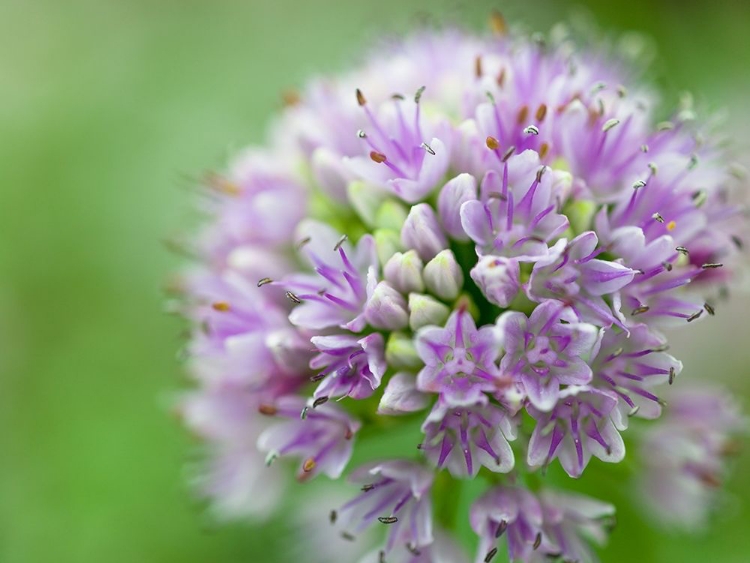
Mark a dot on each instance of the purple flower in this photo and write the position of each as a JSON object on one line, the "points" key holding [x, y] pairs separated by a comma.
{"points": [[571, 521], [512, 512], [630, 366], [466, 438], [685, 456], [336, 294], [401, 396], [348, 366], [396, 494], [459, 361], [518, 213], [405, 153], [442, 550], [571, 274], [546, 350], [321, 436], [580, 426]]}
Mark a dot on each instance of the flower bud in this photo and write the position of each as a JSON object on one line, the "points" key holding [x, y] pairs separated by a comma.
{"points": [[426, 310], [366, 199], [400, 352], [329, 172], [422, 232], [386, 308], [460, 189], [387, 243], [390, 215], [404, 272], [498, 278], [443, 276], [401, 396]]}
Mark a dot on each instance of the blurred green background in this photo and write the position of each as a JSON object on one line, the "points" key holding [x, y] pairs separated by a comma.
{"points": [[104, 106]]}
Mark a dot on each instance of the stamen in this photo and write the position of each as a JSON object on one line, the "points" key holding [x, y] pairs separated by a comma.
{"points": [[341, 241], [501, 78], [699, 198], [644, 148], [418, 95], [537, 541], [694, 316], [682, 250], [303, 242], [361, 97], [490, 555], [387, 519], [428, 148], [348, 537], [640, 310], [309, 465], [671, 225], [293, 298], [667, 266], [634, 410], [303, 414], [367, 488], [531, 130], [639, 184], [622, 91], [264, 281], [290, 98], [693, 161], [653, 169], [508, 153], [320, 401], [221, 306], [333, 516], [413, 550], [492, 143], [672, 374], [317, 377], [541, 112], [268, 410], [523, 114], [658, 217], [361, 134], [665, 126], [737, 242], [709, 309], [498, 24], [609, 124], [501, 527], [381, 556], [378, 157], [543, 150], [478, 66], [711, 266]]}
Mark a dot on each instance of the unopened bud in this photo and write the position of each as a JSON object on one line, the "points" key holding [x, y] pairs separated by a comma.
{"points": [[443, 276], [426, 310], [422, 232], [404, 272], [386, 308], [460, 189]]}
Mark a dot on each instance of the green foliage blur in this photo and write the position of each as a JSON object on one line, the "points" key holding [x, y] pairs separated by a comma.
{"points": [[106, 107]]}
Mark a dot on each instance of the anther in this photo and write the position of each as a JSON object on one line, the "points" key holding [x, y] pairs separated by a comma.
{"points": [[317, 377], [699, 197], [523, 114], [492, 143], [609, 124], [497, 23], [665, 126], [537, 541], [418, 94], [622, 91], [682, 250], [333, 516], [737, 242], [694, 316], [320, 401], [540, 173], [508, 153], [501, 527], [667, 266], [309, 465], [490, 96], [638, 184], [293, 298], [543, 150], [387, 519], [303, 242], [428, 148], [381, 556], [221, 306], [711, 266], [378, 157], [347, 536], [541, 113], [490, 555], [644, 148], [531, 130], [478, 66], [290, 98], [672, 374], [303, 414], [361, 134], [268, 410], [653, 169], [640, 310], [634, 410], [671, 225], [501, 78], [657, 217], [361, 97], [413, 550], [693, 161], [341, 241], [397, 97], [264, 281], [367, 488], [709, 309]]}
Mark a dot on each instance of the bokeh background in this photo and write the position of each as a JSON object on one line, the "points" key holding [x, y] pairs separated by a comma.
{"points": [[106, 106]]}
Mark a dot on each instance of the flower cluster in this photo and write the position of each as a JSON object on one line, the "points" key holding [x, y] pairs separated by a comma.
{"points": [[473, 242]]}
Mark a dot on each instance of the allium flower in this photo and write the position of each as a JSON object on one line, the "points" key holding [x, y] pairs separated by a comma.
{"points": [[461, 254]]}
